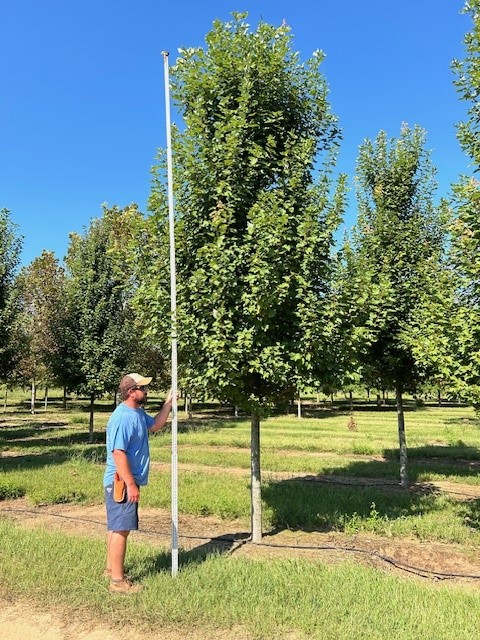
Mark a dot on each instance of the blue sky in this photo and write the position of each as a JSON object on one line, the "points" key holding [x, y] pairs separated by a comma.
{"points": [[82, 104]]}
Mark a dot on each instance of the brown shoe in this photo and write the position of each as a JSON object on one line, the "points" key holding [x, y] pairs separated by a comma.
{"points": [[123, 586]]}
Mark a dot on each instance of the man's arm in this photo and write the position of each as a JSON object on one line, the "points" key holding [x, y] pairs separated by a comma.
{"points": [[162, 416]]}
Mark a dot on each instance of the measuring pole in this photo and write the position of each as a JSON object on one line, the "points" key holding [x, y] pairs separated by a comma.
{"points": [[173, 307]]}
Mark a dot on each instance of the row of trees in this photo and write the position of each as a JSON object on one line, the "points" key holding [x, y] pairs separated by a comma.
{"points": [[72, 325], [266, 305]]}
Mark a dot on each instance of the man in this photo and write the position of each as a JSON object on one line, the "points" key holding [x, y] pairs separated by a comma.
{"points": [[128, 454]]}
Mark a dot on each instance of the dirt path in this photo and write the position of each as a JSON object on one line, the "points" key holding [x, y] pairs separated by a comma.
{"points": [[18, 621], [21, 621]]}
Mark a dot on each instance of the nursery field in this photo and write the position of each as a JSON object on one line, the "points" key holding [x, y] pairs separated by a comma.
{"points": [[346, 552]]}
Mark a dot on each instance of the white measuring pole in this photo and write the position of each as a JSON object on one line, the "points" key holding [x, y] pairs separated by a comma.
{"points": [[173, 307]]}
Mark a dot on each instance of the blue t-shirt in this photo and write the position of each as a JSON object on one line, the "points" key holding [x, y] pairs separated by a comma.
{"points": [[127, 429]]}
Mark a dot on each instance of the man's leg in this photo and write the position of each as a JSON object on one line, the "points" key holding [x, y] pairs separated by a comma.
{"points": [[116, 549], [122, 517]]}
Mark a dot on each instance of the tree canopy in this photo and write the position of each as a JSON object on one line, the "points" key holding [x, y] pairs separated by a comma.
{"points": [[256, 212], [10, 248]]}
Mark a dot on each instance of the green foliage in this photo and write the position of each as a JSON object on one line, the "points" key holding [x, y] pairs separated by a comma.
{"points": [[462, 314], [41, 300], [10, 248], [254, 228], [399, 241], [99, 305], [468, 83], [461, 318]]}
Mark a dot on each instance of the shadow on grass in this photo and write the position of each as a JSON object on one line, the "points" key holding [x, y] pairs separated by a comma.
{"points": [[458, 460], [48, 434], [370, 489], [311, 506], [220, 545], [51, 443], [471, 513], [94, 453]]}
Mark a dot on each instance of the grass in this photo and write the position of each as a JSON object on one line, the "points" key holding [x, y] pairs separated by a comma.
{"points": [[47, 459], [54, 463], [216, 593]]}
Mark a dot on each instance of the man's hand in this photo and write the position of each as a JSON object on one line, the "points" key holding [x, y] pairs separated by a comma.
{"points": [[123, 469], [133, 493]]}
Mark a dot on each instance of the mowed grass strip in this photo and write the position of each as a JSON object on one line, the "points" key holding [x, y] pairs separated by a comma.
{"points": [[376, 432]]}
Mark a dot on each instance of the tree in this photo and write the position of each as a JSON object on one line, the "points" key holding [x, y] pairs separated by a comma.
{"points": [[10, 249], [399, 239], [357, 308], [97, 292], [254, 224], [446, 339], [463, 324], [40, 287], [468, 83]]}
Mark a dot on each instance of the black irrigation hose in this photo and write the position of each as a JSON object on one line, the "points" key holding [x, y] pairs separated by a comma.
{"points": [[419, 571], [363, 484], [424, 573]]}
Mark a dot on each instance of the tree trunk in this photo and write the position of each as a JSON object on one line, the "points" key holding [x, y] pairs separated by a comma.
{"points": [[256, 494], [350, 397], [299, 406], [65, 398], [90, 427], [401, 438], [33, 397], [5, 400], [439, 396], [45, 400], [188, 406]]}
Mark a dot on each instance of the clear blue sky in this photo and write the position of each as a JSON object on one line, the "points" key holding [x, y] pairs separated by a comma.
{"points": [[82, 102]]}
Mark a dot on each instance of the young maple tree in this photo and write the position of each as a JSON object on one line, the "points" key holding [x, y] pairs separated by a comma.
{"points": [[255, 218]]}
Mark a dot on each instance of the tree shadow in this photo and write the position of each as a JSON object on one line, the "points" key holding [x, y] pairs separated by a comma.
{"points": [[311, 506], [34, 446], [456, 459], [471, 421], [471, 513], [369, 489], [47, 434]]}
